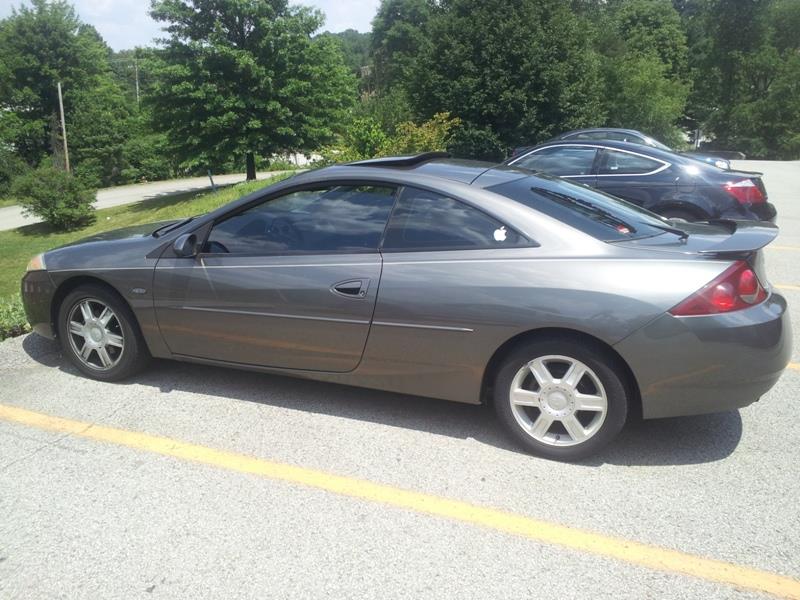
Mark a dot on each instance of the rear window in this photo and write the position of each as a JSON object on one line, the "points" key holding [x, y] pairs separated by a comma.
{"points": [[602, 216]]}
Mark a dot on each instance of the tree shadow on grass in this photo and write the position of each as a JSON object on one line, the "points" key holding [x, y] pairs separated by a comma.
{"points": [[662, 442]]}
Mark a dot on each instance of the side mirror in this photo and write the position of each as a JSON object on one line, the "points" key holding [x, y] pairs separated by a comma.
{"points": [[185, 245]]}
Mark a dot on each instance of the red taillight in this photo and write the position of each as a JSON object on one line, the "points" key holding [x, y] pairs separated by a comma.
{"points": [[736, 288], [745, 191]]}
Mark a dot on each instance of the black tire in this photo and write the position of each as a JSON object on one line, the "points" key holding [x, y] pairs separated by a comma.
{"points": [[132, 358], [680, 214], [604, 369]]}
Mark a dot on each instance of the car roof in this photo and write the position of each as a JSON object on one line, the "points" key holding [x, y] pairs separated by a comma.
{"points": [[664, 155], [472, 172], [603, 129]]}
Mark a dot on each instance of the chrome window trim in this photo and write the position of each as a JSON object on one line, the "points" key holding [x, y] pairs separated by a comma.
{"points": [[664, 164]]}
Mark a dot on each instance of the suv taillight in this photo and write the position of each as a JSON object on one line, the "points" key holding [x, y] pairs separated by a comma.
{"points": [[736, 288], [745, 191]]}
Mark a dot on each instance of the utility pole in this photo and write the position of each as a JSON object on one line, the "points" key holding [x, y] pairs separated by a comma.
{"points": [[63, 127]]}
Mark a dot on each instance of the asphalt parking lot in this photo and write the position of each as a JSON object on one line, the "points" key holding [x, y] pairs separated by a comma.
{"points": [[190, 481]]}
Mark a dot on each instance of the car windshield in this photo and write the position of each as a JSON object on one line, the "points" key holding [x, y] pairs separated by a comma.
{"points": [[602, 216]]}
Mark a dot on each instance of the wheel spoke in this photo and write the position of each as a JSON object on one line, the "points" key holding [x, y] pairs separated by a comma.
{"points": [[574, 375], [86, 351], [76, 328], [105, 359], [574, 428], [590, 402], [105, 316], [522, 397], [112, 339], [541, 426], [86, 311], [540, 372]]}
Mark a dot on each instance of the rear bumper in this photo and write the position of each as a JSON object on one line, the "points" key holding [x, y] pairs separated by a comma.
{"points": [[37, 295], [696, 365]]}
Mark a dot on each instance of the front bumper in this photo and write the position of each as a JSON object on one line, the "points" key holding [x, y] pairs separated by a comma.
{"points": [[37, 296], [706, 364]]}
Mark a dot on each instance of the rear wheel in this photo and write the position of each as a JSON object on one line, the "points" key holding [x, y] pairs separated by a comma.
{"points": [[560, 399], [99, 334]]}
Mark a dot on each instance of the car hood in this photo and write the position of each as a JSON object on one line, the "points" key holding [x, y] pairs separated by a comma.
{"points": [[124, 233]]}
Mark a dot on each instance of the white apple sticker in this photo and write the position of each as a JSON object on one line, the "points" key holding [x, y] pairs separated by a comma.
{"points": [[500, 234]]}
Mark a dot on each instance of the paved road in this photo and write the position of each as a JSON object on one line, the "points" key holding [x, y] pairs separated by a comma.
{"points": [[11, 217], [122, 516]]}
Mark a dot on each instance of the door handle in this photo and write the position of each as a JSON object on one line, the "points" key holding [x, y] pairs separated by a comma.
{"points": [[352, 288]]}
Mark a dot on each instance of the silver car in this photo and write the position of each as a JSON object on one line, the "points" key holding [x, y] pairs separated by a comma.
{"points": [[567, 309]]}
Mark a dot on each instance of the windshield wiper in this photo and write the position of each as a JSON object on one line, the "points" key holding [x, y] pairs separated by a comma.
{"points": [[170, 227], [608, 217], [679, 232]]}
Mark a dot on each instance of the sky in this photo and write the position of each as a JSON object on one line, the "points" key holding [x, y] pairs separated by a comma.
{"points": [[125, 23]]}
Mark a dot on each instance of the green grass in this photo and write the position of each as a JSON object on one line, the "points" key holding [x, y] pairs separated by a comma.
{"points": [[19, 245], [8, 202]]}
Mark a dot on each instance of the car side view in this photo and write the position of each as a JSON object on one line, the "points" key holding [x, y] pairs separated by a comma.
{"points": [[565, 308], [663, 182]]}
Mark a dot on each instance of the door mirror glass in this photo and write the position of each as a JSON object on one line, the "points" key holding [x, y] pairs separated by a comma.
{"points": [[185, 245]]}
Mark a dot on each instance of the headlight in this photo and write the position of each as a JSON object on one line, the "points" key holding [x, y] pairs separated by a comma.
{"points": [[36, 263]]}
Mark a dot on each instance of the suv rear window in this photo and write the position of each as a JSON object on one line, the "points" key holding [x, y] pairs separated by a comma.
{"points": [[602, 216]]}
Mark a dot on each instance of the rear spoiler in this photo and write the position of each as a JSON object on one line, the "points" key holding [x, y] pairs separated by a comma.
{"points": [[746, 236]]}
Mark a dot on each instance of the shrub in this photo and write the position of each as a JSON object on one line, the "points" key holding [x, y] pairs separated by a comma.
{"points": [[365, 139], [480, 143], [11, 167], [54, 195], [433, 134], [13, 321]]}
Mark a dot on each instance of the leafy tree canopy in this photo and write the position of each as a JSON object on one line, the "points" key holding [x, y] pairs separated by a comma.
{"points": [[40, 46], [525, 69], [240, 77]]}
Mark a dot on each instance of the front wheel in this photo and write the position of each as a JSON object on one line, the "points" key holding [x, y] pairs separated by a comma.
{"points": [[99, 334], [560, 399]]}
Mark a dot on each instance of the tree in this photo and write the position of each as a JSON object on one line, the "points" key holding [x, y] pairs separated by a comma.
{"points": [[744, 59], [523, 69], [644, 66], [398, 36], [40, 46], [244, 77], [355, 47]]}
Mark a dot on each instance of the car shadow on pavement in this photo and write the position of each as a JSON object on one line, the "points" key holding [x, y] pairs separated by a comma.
{"points": [[675, 441]]}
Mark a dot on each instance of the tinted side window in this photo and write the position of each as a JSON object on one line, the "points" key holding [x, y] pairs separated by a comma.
{"points": [[426, 220], [335, 219], [560, 160], [622, 163]]}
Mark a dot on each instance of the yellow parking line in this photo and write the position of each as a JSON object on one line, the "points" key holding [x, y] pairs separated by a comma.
{"points": [[786, 286], [645, 555], [795, 366]]}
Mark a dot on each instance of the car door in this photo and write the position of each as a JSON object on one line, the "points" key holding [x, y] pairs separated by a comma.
{"points": [[573, 161], [635, 177], [439, 255], [289, 282]]}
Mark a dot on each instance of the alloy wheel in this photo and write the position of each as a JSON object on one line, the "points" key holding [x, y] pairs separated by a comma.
{"points": [[558, 400], [95, 334]]}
